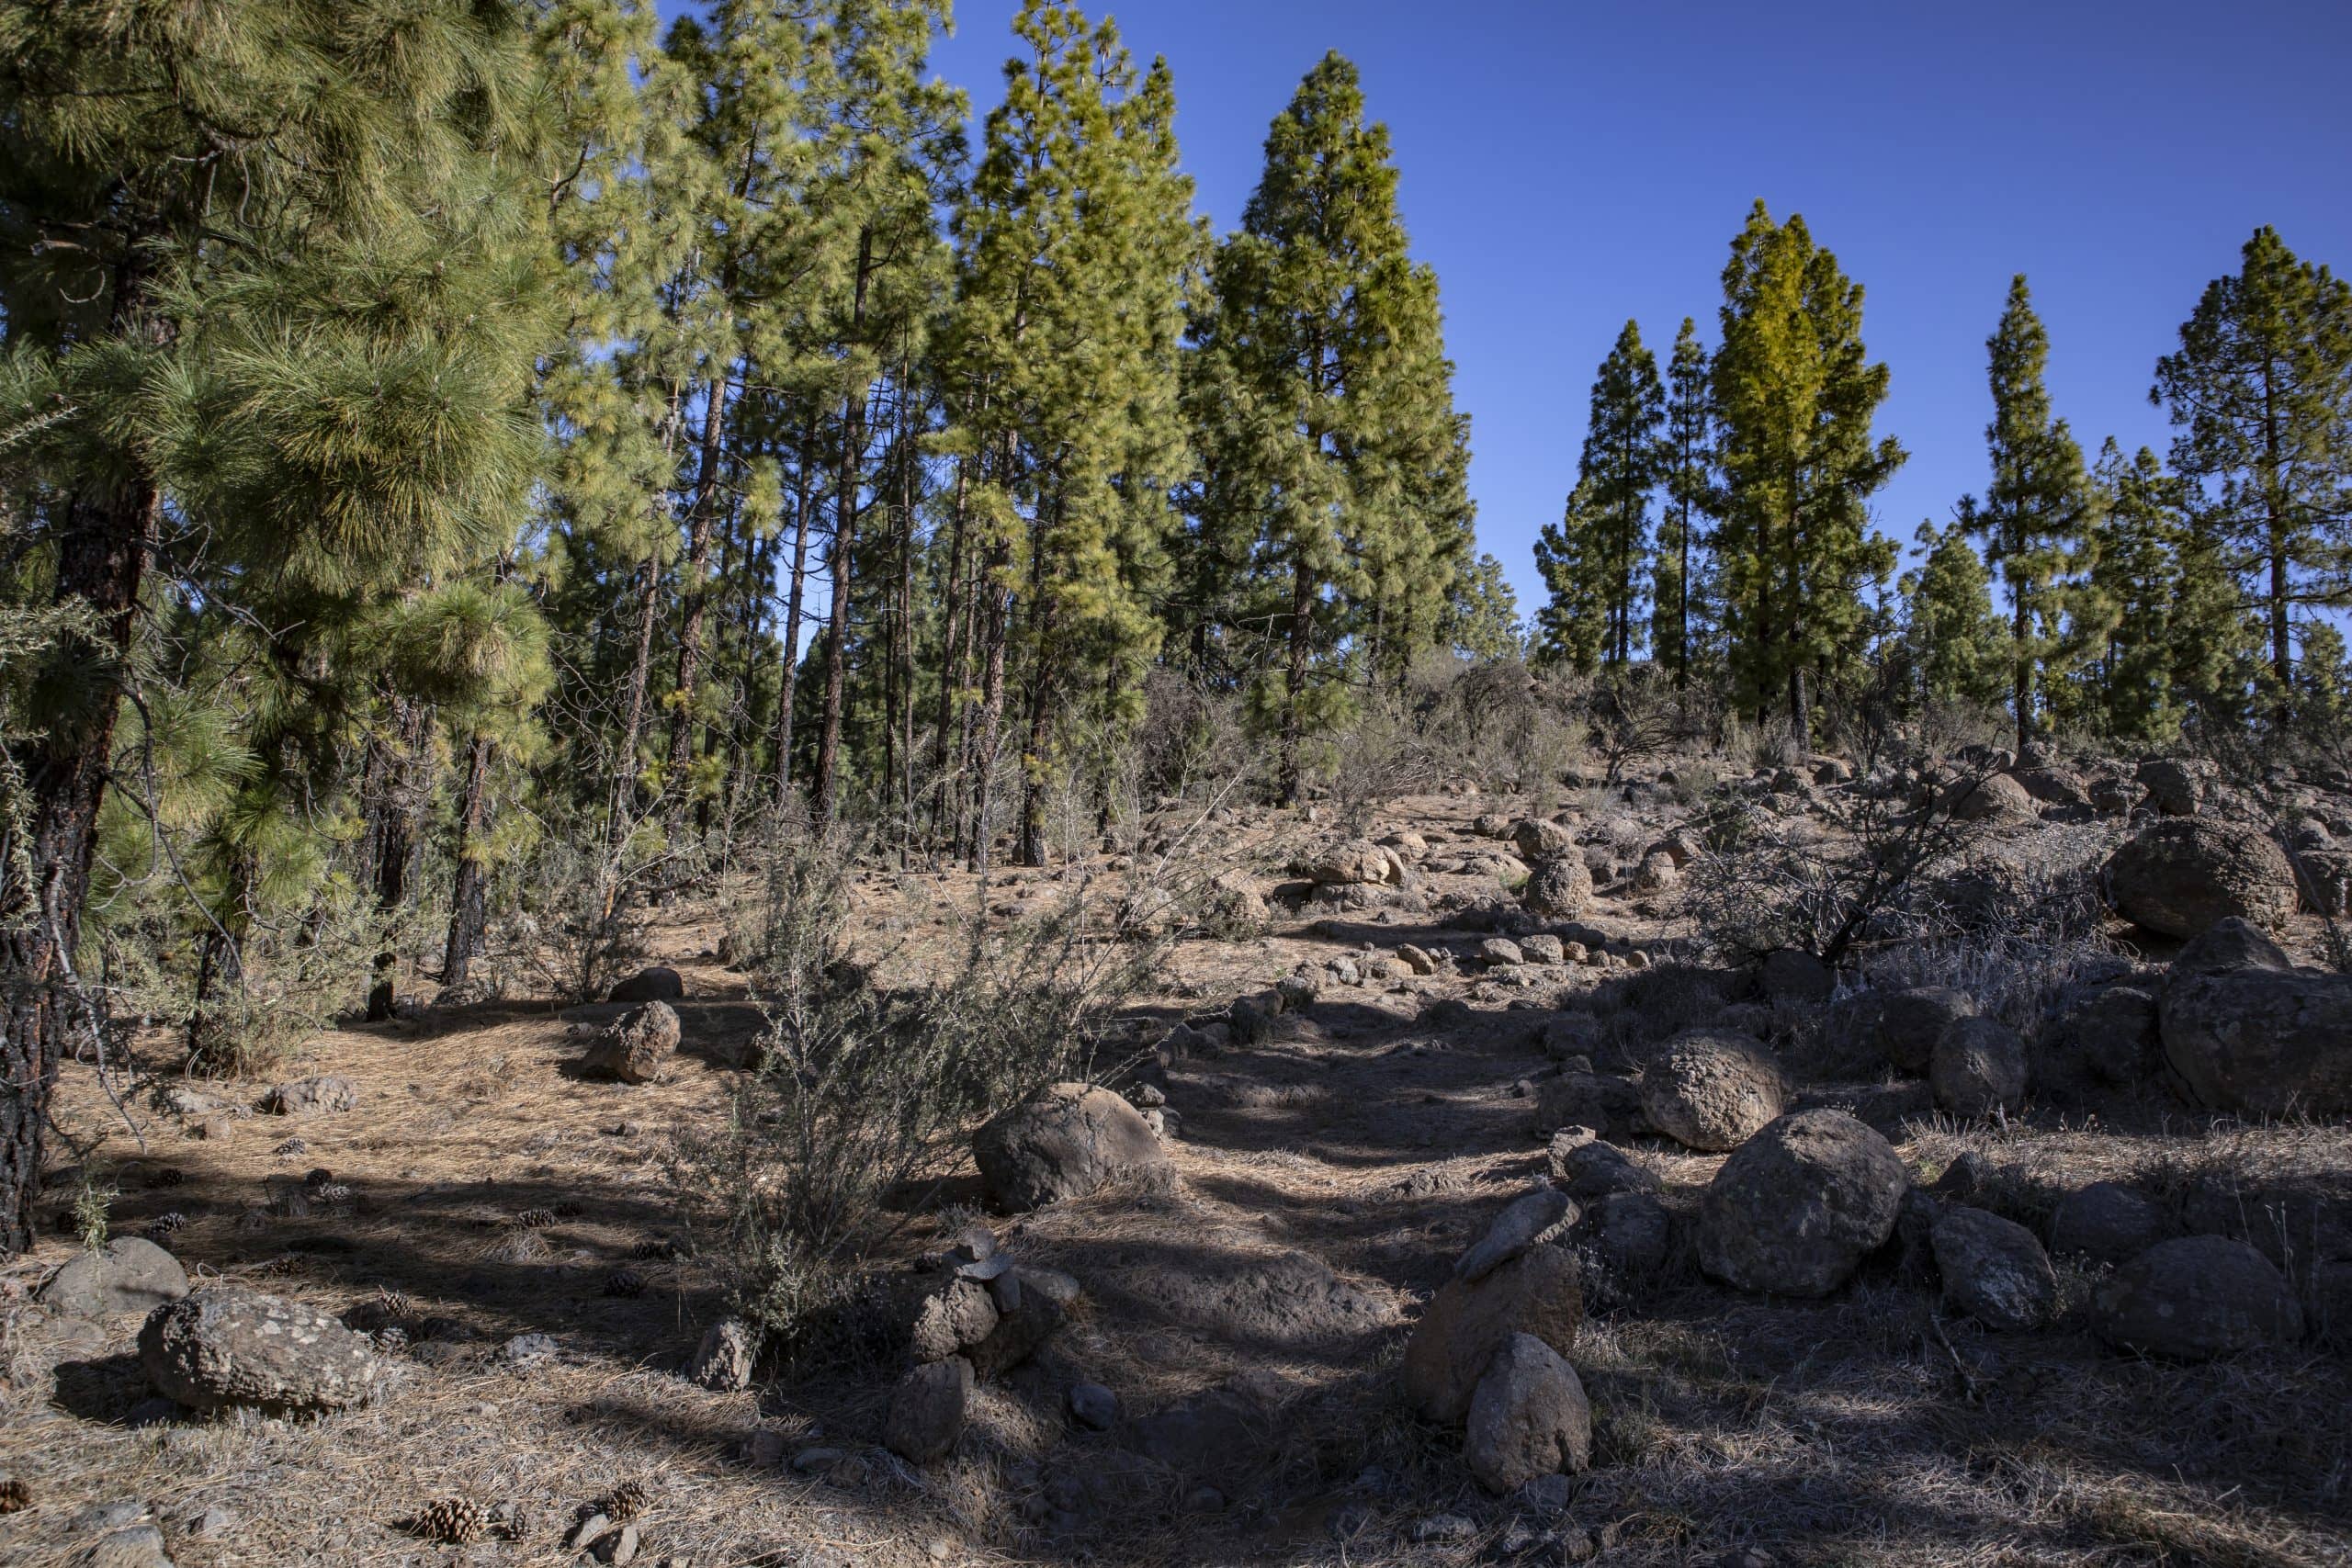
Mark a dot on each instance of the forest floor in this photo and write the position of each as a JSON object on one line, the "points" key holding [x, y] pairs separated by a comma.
{"points": [[1252, 1317]]}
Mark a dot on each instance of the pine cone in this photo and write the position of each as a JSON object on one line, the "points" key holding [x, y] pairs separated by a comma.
{"points": [[535, 1219], [14, 1494], [164, 1224], [168, 1177], [453, 1520], [318, 1177], [331, 1193], [655, 1248], [625, 1282], [626, 1502]]}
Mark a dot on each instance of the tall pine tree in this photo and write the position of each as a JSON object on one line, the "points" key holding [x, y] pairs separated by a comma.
{"points": [[1794, 397]]}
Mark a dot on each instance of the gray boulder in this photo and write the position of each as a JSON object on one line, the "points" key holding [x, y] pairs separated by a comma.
{"points": [[2243, 1029], [2196, 1298], [1978, 1068], [1559, 887], [1466, 1322], [1710, 1089], [225, 1346], [1528, 1418], [723, 1361], [1534, 1217], [927, 1411], [2183, 874], [1792, 976], [1910, 1022], [2107, 1223], [1795, 1208], [1994, 1270], [658, 983], [1067, 1140], [2114, 1034], [637, 1047], [2176, 786], [126, 1275]]}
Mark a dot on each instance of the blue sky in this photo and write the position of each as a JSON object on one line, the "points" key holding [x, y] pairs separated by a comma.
{"points": [[1564, 166]]}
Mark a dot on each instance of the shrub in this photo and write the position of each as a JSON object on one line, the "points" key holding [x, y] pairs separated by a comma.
{"points": [[865, 1087]]}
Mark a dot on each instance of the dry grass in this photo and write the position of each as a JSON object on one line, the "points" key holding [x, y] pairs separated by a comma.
{"points": [[1369, 1138]]}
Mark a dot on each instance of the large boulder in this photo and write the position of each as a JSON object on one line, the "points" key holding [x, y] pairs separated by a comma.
{"points": [[2183, 874], [1712, 1090], [2244, 1030], [1795, 1208], [2114, 1034], [2175, 785], [927, 1411], [1067, 1140], [1997, 797], [1528, 1418], [126, 1275], [637, 1045], [1356, 861], [659, 983], [1994, 1270], [226, 1346], [1537, 837], [2107, 1223], [1909, 1023], [1559, 887], [2196, 1298], [1468, 1321], [1978, 1068]]}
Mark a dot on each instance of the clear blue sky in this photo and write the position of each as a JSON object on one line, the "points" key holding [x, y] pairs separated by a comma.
{"points": [[1566, 166]]}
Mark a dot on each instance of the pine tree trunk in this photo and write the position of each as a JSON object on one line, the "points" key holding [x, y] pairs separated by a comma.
{"points": [[793, 602], [954, 659], [843, 556], [468, 902], [221, 963], [702, 514], [395, 843], [990, 722], [1302, 597], [623, 803], [2021, 667]]}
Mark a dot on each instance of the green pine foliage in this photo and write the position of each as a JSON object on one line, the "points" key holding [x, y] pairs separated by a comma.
{"points": [[1794, 397], [2035, 513], [1606, 566], [2260, 390]]}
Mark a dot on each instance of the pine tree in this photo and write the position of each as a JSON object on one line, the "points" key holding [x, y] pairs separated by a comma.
{"points": [[1062, 361], [1482, 615], [2260, 390], [325, 338], [2035, 512], [1352, 469], [1615, 473], [1956, 649], [1572, 628], [1794, 397], [1678, 632]]}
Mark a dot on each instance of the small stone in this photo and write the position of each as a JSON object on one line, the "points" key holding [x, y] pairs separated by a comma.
{"points": [[1440, 1529], [1092, 1406], [1535, 1216], [529, 1350], [764, 1450], [588, 1530]]}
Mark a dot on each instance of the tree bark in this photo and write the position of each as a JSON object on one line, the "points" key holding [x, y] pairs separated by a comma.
{"points": [[1302, 596], [793, 600], [469, 901], [841, 556], [102, 552], [701, 515]]}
